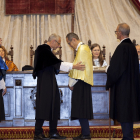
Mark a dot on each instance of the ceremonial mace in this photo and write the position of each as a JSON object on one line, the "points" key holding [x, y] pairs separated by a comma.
{"points": [[109, 118], [109, 104]]}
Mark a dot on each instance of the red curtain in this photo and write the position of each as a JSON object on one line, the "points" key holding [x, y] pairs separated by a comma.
{"points": [[39, 6], [137, 3]]}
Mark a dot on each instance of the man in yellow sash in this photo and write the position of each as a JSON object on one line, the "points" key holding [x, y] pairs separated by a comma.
{"points": [[80, 82]]}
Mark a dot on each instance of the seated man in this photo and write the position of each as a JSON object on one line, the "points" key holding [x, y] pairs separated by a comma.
{"points": [[10, 64]]}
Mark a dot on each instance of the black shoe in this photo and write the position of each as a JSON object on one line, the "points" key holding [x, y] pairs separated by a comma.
{"points": [[56, 136], [45, 138], [40, 137], [78, 137], [82, 137]]}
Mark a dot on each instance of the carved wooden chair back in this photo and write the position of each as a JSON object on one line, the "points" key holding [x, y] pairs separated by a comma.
{"points": [[32, 53], [11, 53], [134, 42]]}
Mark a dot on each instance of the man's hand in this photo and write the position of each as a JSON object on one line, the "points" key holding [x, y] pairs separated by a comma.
{"points": [[79, 66], [4, 91], [71, 88]]}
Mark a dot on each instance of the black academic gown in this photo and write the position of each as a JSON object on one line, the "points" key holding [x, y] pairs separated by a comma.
{"points": [[2, 112], [81, 101], [46, 65], [123, 81]]}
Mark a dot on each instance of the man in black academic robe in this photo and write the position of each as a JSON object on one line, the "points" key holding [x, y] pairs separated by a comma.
{"points": [[123, 81], [46, 65]]}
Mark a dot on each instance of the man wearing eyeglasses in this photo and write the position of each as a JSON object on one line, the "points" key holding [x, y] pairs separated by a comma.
{"points": [[123, 81], [46, 65]]}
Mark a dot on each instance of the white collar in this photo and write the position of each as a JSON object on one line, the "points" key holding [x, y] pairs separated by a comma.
{"points": [[96, 59], [78, 46], [124, 39]]}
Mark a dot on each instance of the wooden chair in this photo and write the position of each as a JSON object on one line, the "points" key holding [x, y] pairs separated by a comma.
{"points": [[11, 53], [32, 53], [45, 41], [134, 42]]}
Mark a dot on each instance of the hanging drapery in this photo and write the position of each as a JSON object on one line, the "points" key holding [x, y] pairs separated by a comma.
{"points": [[137, 3], [39, 6], [94, 19]]}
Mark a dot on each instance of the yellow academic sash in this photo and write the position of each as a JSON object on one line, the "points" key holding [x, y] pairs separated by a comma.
{"points": [[83, 54]]}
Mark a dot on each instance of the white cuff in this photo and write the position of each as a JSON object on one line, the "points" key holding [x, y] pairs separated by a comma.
{"points": [[72, 82], [66, 66], [71, 66], [2, 84]]}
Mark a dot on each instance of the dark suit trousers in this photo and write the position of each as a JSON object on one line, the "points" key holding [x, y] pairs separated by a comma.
{"points": [[127, 129], [85, 126], [52, 125], [2, 112]]}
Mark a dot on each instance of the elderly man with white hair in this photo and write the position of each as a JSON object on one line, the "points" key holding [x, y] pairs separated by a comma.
{"points": [[46, 66]]}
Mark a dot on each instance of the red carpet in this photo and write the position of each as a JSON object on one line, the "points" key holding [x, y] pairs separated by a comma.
{"points": [[96, 132]]}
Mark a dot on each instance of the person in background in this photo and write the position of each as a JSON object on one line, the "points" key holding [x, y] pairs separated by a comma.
{"points": [[97, 57], [3, 68], [123, 81], [10, 64]]}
